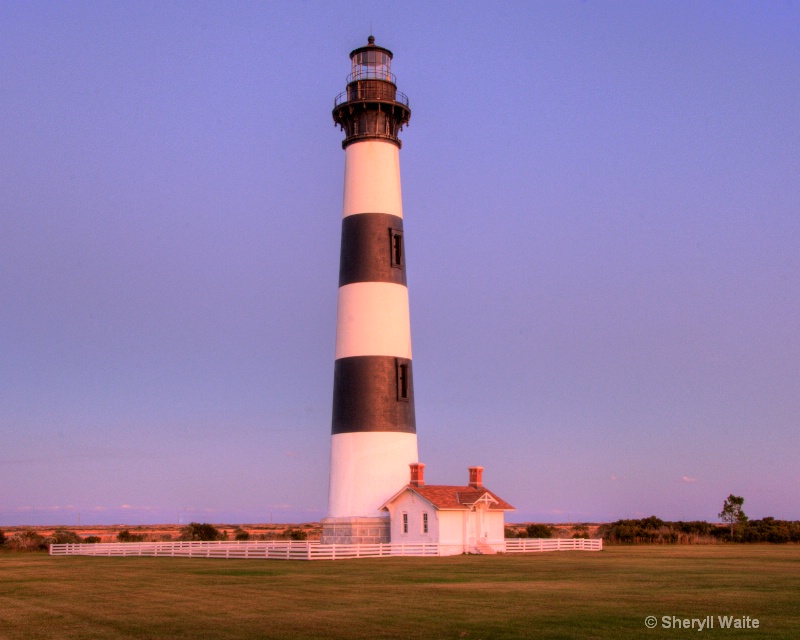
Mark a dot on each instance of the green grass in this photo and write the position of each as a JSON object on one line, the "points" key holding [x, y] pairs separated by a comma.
{"points": [[547, 595]]}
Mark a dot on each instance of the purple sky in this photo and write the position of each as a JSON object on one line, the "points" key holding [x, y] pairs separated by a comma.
{"points": [[602, 206]]}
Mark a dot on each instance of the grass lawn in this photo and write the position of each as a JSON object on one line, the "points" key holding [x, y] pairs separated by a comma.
{"points": [[546, 595]]}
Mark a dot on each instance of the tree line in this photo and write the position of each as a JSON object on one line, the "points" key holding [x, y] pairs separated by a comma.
{"points": [[30, 540], [736, 527], [653, 530], [656, 531]]}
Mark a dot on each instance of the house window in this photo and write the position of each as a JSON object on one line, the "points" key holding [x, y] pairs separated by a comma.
{"points": [[396, 247], [403, 382], [405, 522], [425, 522]]}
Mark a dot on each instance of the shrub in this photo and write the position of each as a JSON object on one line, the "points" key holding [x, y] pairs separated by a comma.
{"points": [[650, 530], [696, 527], [580, 531], [27, 541], [539, 531], [197, 531], [241, 535], [91, 539], [771, 530], [294, 534], [127, 536], [63, 536], [2, 538]]}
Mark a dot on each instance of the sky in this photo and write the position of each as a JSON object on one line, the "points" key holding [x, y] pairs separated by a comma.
{"points": [[602, 224]]}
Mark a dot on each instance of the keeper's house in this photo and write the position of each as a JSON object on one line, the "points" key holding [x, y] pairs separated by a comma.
{"points": [[461, 519]]}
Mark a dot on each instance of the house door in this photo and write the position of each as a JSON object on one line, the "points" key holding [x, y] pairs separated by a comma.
{"points": [[471, 530], [481, 532], [477, 532]]}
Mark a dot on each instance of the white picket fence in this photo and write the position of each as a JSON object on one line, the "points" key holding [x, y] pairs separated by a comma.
{"points": [[529, 545], [271, 550], [295, 550]]}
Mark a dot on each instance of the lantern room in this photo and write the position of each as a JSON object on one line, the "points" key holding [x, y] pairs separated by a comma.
{"points": [[371, 63]]}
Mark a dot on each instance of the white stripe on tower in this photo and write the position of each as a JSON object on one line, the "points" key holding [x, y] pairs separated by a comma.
{"points": [[372, 178], [372, 320], [373, 434]]}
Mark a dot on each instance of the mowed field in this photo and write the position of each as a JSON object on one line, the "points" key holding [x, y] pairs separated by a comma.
{"points": [[583, 595]]}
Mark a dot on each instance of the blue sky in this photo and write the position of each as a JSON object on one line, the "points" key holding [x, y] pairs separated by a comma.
{"points": [[603, 238]]}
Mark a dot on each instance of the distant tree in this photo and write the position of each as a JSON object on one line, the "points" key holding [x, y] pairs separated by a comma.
{"points": [[644, 530], [539, 531], [197, 531], [64, 536], [694, 527], [91, 539], [27, 541], [770, 530], [732, 511], [2, 538], [580, 531], [240, 534], [127, 536], [294, 534]]}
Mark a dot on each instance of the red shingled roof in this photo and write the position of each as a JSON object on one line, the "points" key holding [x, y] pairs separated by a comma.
{"points": [[452, 497]]}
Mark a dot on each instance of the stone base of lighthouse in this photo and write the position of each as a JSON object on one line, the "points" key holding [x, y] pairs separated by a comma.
{"points": [[355, 530]]}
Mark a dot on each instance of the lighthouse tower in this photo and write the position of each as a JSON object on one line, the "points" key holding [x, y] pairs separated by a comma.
{"points": [[373, 431]]}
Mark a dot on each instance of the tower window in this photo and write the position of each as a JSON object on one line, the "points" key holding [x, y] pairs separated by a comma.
{"points": [[396, 247], [403, 381]]}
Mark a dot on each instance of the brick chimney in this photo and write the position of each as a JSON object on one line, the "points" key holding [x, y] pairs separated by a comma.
{"points": [[476, 477], [417, 474]]}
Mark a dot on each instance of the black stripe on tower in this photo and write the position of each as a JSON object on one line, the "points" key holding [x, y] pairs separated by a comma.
{"points": [[373, 393], [372, 249]]}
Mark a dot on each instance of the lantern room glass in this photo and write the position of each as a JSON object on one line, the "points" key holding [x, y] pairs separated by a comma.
{"points": [[372, 65]]}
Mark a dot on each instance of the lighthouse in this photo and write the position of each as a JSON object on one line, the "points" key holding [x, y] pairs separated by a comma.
{"points": [[373, 428]]}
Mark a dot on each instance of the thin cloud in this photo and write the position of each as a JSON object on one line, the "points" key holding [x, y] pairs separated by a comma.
{"points": [[91, 454]]}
